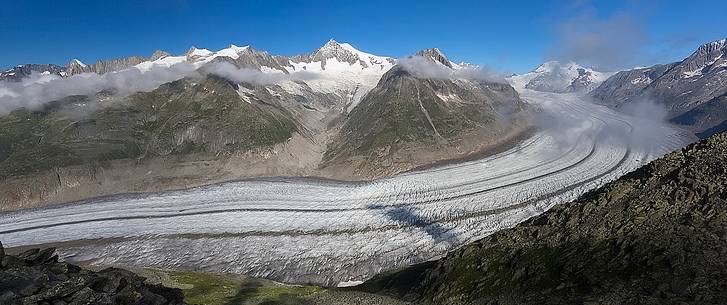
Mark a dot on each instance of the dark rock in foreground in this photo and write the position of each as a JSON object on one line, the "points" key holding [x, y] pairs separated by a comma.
{"points": [[37, 277], [655, 236]]}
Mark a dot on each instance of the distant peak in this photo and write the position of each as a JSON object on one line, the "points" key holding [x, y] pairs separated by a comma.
{"points": [[76, 62], [552, 65], [436, 55]]}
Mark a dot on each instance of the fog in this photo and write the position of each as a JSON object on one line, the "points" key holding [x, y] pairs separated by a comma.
{"points": [[38, 89], [427, 68]]}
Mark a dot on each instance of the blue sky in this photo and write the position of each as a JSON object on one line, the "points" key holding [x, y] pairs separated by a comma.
{"points": [[509, 36]]}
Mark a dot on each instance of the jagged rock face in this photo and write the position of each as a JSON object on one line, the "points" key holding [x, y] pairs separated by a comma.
{"points": [[403, 114], [654, 236], [17, 73], [699, 79], [435, 55], [37, 277], [104, 66]]}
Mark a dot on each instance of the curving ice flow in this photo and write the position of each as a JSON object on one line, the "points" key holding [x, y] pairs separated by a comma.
{"points": [[306, 230]]}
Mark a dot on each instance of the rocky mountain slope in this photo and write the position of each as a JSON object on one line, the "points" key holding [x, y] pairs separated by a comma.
{"points": [[236, 113], [37, 277], [557, 77], [654, 236], [692, 90], [406, 119]]}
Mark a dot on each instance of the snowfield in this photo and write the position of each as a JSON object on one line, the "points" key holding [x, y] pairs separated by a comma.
{"points": [[311, 231]]}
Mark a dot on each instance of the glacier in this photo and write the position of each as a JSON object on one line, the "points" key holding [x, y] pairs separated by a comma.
{"points": [[306, 230]]}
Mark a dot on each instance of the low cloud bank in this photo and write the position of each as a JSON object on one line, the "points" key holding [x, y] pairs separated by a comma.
{"points": [[647, 124], [426, 68], [38, 89]]}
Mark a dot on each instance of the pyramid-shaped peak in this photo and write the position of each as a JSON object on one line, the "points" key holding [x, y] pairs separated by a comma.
{"points": [[333, 49], [76, 62], [436, 55], [331, 42]]}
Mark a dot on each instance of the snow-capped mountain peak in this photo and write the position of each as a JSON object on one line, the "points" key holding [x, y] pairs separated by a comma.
{"points": [[554, 76], [78, 62], [344, 52], [233, 51]]}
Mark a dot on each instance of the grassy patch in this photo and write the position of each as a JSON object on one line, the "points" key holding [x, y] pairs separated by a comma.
{"points": [[221, 289]]}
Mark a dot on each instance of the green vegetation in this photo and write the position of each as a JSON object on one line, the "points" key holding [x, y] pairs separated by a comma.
{"points": [[180, 117], [398, 112], [222, 289]]}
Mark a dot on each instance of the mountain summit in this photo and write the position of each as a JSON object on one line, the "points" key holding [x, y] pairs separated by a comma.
{"points": [[554, 76], [437, 56]]}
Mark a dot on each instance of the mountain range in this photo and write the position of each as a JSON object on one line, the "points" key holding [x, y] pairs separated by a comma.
{"points": [[553, 76], [240, 112], [693, 91]]}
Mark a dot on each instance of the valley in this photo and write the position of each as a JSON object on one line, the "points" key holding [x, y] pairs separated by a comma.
{"points": [[302, 230]]}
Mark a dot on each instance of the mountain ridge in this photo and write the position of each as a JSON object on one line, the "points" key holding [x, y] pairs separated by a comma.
{"points": [[557, 77], [688, 89]]}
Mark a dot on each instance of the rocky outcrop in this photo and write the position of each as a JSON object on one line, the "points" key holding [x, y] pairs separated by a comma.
{"points": [[37, 277], [655, 236]]}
